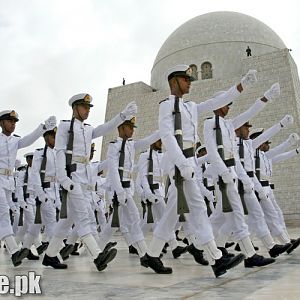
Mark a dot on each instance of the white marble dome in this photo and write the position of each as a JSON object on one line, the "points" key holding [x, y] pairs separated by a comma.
{"points": [[220, 38]]}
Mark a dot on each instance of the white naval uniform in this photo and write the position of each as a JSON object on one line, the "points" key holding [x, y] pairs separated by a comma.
{"points": [[51, 193], [234, 221], [77, 206], [159, 206], [27, 203], [256, 218], [272, 210], [9, 145], [197, 220], [129, 214]]}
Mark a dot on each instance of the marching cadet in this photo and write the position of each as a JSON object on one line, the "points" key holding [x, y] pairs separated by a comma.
{"points": [[73, 145], [256, 220], [151, 174], [181, 118], [120, 155], [220, 141], [9, 145], [43, 180], [206, 190], [264, 159]]}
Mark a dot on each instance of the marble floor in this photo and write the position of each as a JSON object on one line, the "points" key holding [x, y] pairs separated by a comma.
{"points": [[126, 279]]}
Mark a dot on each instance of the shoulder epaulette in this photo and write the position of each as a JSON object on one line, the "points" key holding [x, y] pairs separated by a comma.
{"points": [[39, 149], [209, 118], [87, 124], [112, 142], [66, 120], [16, 135], [187, 101], [164, 100]]}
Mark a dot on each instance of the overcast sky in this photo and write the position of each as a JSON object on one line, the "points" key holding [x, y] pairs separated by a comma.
{"points": [[53, 49]]}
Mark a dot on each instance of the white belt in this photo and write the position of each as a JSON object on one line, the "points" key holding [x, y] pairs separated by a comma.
{"points": [[81, 159], [188, 144], [6, 172], [88, 187], [50, 179]]}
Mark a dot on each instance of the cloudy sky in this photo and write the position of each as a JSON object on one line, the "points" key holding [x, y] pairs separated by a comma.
{"points": [[53, 49]]}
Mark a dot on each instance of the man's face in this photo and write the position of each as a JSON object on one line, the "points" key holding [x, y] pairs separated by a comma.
{"points": [[83, 110], [157, 145], [128, 131], [29, 160], [8, 125], [50, 140], [244, 132], [185, 84], [202, 152]]}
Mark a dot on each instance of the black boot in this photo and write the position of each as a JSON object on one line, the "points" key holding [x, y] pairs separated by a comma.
{"points": [[155, 264], [294, 245], [42, 248], [278, 249], [53, 262], [177, 237], [229, 244], [178, 251], [75, 250], [104, 258], [257, 261], [109, 245], [18, 256], [31, 256], [197, 254], [66, 251], [132, 250], [237, 247], [164, 250], [225, 252], [185, 241], [225, 263]]}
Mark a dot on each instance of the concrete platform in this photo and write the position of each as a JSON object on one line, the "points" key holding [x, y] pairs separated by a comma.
{"points": [[126, 279]]}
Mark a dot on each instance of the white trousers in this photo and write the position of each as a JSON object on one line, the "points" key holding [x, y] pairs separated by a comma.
{"points": [[5, 223]]}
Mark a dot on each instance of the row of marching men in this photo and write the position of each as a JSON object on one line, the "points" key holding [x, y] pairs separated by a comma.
{"points": [[229, 159]]}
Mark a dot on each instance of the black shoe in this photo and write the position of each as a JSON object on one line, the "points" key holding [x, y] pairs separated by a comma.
{"points": [[185, 241], [53, 262], [225, 253], [18, 256], [104, 258], [132, 250], [197, 254], [178, 251], [31, 256], [237, 247], [278, 249], [164, 250], [225, 263], [177, 237], [42, 248], [75, 250], [255, 247], [109, 245], [229, 244], [257, 261], [295, 244], [155, 264], [66, 251]]}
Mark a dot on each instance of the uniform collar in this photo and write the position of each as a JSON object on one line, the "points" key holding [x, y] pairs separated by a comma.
{"points": [[173, 97]]}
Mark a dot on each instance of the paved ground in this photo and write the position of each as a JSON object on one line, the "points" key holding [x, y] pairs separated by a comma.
{"points": [[126, 279]]}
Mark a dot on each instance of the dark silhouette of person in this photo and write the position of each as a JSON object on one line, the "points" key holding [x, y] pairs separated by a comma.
{"points": [[123, 81], [248, 51]]}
